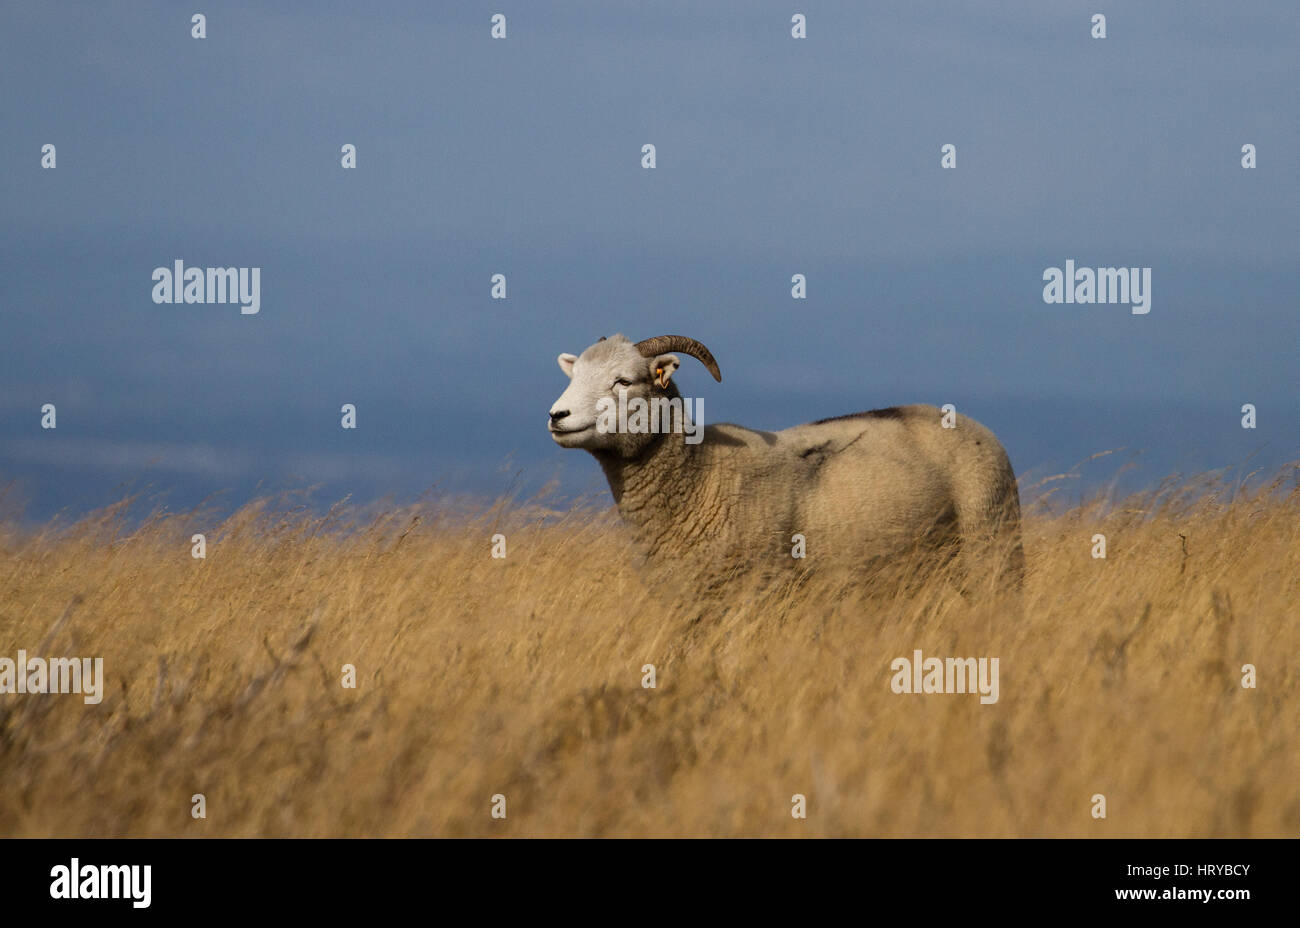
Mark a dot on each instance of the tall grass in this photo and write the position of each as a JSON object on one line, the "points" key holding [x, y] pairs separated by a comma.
{"points": [[523, 676]]}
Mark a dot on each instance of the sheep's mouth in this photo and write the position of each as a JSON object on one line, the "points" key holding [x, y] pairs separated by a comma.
{"points": [[579, 431]]}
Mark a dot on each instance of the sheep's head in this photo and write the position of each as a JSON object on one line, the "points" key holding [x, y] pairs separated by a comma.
{"points": [[611, 367]]}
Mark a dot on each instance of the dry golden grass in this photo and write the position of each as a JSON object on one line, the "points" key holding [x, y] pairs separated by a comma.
{"points": [[523, 677]]}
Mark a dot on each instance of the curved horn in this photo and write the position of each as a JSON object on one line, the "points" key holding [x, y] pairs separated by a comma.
{"points": [[661, 343]]}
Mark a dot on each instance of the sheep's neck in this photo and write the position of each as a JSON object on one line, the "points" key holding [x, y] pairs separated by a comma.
{"points": [[656, 492]]}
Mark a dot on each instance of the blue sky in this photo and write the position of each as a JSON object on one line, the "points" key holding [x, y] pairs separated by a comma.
{"points": [[522, 156]]}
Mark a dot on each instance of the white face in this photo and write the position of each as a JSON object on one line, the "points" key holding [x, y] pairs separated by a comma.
{"points": [[604, 370]]}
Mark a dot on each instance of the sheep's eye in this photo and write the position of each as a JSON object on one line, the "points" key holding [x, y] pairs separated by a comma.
{"points": [[622, 382]]}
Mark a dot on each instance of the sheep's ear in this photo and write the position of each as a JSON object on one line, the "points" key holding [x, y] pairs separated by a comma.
{"points": [[566, 362], [662, 368]]}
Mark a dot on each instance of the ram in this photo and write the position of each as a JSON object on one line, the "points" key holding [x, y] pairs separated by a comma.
{"points": [[862, 489]]}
